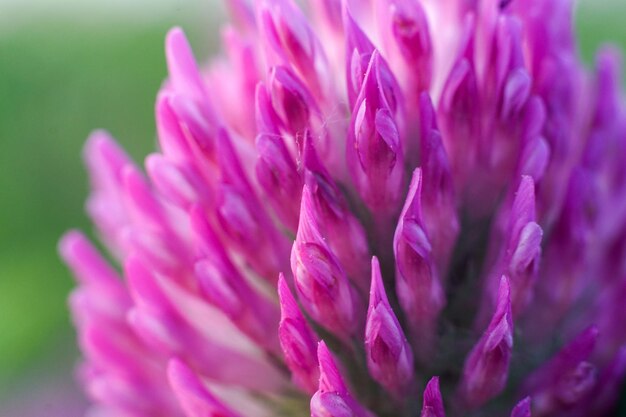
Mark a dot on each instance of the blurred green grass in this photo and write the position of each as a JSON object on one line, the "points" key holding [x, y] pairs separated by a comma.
{"points": [[596, 27], [57, 83]]}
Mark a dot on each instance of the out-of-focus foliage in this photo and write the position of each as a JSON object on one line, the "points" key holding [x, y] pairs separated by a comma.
{"points": [[598, 23], [57, 83]]}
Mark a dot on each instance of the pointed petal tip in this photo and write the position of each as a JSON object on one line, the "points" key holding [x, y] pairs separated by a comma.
{"points": [[72, 247], [432, 388], [412, 221], [86, 263], [505, 288], [181, 64], [377, 289], [323, 352], [389, 356], [522, 409], [432, 399], [175, 38], [416, 180], [69, 242], [177, 49], [98, 136], [298, 342], [320, 281], [282, 284], [527, 182], [288, 305], [330, 377], [486, 368], [195, 399], [102, 149], [525, 193]]}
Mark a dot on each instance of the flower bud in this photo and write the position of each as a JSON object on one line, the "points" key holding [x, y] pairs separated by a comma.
{"points": [[298, 341], [290, 40], [321, 283], [375, 141], [438, 196], [333, 398], [276, 168], [359, 50], [195, 399], [339, 226], [389, 355], [487, 366], [433, 403], [418, 287]]}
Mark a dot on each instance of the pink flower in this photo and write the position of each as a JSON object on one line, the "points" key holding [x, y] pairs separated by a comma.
{"points": [[385, 207]]}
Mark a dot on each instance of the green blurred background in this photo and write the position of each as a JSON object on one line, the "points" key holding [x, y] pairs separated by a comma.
{"points": [[63, 72]]}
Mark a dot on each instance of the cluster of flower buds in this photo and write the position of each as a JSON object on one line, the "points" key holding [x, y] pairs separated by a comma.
{"points": [[390, 206]]}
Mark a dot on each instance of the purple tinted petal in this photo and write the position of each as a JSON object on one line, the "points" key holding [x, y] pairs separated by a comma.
{"points": [[522, 409], [375, 143], [438, 198], [332, 398], [192, 395], [418, 287], [298, 341], [487, 366], [389, 355], [341, 229], [567, 379], [321, 283], [433, 402]]}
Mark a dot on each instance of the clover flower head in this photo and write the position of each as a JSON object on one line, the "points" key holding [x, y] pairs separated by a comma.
{"points": [[364, 208]]}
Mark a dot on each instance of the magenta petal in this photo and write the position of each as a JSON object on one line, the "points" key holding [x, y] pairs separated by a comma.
{"points": [[520, 250], [339, 226], [292, 101], [290, 40], [565, 382], [410, 31], [359, 50], [439, 196], [487, 366], [251, 312], [389, 355], [433, 403], [321, 283], [522, 409], [332, 398], [194, 398], [418, 287], [278, 175], [298, 341], [184, 73], [87, 264], [375, 140]]}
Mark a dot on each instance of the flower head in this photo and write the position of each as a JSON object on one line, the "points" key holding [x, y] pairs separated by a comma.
{"points": [[368, 208]]}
